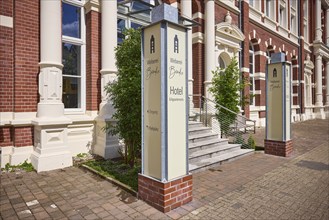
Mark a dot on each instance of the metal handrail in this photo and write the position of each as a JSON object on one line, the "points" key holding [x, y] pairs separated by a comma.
{"points": [[229, 110]]}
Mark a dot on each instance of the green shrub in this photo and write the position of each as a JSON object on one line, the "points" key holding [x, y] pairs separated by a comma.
{"points": [[125, 94], [251, 142]]}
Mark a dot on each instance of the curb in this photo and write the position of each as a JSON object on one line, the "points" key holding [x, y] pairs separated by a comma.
{"points": [[111, 180]]}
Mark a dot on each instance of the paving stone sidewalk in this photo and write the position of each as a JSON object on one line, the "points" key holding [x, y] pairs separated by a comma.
{"points": [[258, 186]]}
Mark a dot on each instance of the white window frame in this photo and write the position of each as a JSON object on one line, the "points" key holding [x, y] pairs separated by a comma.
{"points": [[270, 13], [82, 43], [283, 14], [252, 76], [308, 90], [305, 20], [256, 4], [293, 16]]}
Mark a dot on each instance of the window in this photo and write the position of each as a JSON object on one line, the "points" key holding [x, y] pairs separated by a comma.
{"points": [[270, 9], [222, 64], [308, 90], [251, 74], [293, 13], [282, 14], [305, 8], [73, 55], [256, 4]]}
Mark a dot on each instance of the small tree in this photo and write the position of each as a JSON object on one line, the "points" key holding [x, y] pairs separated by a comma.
{"points": [[125, 94], [226, 88]]}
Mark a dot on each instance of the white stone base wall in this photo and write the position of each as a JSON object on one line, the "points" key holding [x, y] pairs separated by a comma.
{"points": [[15, 155], [80, 137], [106, 146]]}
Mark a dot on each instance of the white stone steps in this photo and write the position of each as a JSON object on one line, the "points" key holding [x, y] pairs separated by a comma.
{"points": [[202, 137], [195, 124], [212, 152], [201, 145], [199, 130], [217, 160], [207, 149]]}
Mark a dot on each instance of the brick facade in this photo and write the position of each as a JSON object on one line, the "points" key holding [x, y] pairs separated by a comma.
{"points": [[23, 136], [26, 55], [19, 67], [165, 196], [6, 136], [198, 67], [93, 61], [278, 148], [6, 60]]}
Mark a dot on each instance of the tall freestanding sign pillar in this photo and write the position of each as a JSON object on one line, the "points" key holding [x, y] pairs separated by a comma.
{"points": [[278, 107], [164, 182]]}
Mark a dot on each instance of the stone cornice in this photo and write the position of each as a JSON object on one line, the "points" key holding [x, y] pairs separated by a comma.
{"points": [[93, 5], [320, 48]]}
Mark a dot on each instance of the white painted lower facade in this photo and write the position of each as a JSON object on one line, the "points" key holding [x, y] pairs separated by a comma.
{"points": [[62, 142]]}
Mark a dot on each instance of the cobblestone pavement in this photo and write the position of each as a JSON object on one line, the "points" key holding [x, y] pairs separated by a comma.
{"points": [[258, 186], [296, 190]]}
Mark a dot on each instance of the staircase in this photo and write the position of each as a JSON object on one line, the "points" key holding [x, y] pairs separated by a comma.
{"points": [[207, 149]]}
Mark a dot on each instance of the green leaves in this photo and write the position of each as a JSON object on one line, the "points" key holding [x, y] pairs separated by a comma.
{"points": [[225, 89], [125, 94]]}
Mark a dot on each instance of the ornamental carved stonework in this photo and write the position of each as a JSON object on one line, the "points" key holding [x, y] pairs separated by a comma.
{"points": [[50, 84]]}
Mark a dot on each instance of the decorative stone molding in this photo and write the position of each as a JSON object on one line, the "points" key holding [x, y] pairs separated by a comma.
{"points": [[309, 66], [197, 37], [6, 21], [229, 34], [50, 84], [253, 36], [50, 148], [92, 5], [269, 44]]}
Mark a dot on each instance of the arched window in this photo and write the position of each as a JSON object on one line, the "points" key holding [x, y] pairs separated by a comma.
{"points": [[308, 90], [222, 64], [251, 74]]}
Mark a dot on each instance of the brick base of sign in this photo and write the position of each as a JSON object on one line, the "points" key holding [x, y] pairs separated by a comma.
{"points": [[165, 196], [278, 148]]}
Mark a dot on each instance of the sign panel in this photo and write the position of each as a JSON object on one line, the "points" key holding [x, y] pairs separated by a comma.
{"points": [[176, 100], [274, 102], [151, 101]]}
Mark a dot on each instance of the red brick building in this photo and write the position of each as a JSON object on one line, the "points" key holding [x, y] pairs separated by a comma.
{"points": [[56, 56]]}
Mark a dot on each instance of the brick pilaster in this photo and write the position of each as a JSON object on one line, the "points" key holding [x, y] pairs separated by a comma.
{"points": [[93, 61], [301, 55], [245, 50]]}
